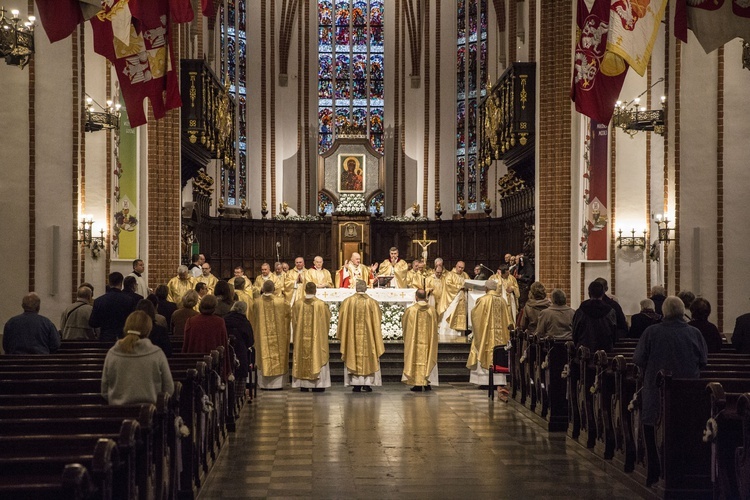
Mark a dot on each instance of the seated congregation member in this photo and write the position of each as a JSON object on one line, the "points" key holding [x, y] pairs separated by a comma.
{"points": [[74, 323], [420, 328], [537, 303], [670, 345], [741, 334], [163, 306], [159, 319], [184, 313], [205, 332], [111, 310], [272, 321], [557, 319], [239, 327], [30, 332], [490, 320], [311, 320], [700, 310], [359, 331], [647, 317], [135, 370], [225, 298], [158, 334], [595, 323]]}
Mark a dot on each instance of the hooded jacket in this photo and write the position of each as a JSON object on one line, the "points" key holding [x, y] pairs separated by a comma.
{"points": [[594, 326]]}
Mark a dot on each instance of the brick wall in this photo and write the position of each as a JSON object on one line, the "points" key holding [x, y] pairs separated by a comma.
{"points": [[554, 230]]}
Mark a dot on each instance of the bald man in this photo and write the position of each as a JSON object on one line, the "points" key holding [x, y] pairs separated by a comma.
{"points": [[352, 271]]}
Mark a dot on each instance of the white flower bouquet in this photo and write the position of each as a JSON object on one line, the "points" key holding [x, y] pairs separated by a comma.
{"points": [[351, 204]]}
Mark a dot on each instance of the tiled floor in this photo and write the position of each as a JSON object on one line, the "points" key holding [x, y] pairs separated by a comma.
{"points": [[449, 443]]}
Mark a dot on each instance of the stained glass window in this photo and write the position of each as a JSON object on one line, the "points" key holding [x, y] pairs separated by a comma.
{"points": [[350, 69], [233, 66], [325, 203], [377, 203], [471, 73]]}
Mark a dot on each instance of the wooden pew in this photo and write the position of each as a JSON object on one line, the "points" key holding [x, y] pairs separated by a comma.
{"points": [[60, 473], [742, 455]]}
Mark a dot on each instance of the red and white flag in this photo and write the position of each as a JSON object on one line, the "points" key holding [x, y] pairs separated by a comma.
{"points": [[598, 74], [145, 66], [714, 22], [60, 17], [633, 30]]}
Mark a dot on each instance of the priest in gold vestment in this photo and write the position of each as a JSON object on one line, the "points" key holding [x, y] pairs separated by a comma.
{"points": [[180, 285], [416, 278], [450, 300], [241, 291], [420, 328], [294, 282], [490, 319], [396, 267], [206, 277], [272, 324], [311, 319], [265, 275], [361, 340], [316, 274], [508, 288]]}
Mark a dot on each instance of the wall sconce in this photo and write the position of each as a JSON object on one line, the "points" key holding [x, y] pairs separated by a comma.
{"points": [[631, 241], [108, 117], [86, 236], [16, 38], [663, 224], [632, 117]]}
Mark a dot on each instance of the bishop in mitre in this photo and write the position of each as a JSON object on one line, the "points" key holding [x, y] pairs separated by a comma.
{"points": [[272, 324], [361, 340], [420, 328], [352, 272], [266, 275], [318, 275], [508, 288], [490, 320], [311, 319], [396, 267]]}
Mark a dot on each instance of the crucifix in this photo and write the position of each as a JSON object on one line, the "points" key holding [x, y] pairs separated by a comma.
{"points": [[424, 243]]}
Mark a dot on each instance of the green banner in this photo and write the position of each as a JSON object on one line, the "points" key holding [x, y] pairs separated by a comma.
{"points": [[125, 226]]}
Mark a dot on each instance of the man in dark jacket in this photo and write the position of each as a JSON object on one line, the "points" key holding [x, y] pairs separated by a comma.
{"points": [[111, 310], [741, 334], [30, 332], [622, 322], [594, 323]]}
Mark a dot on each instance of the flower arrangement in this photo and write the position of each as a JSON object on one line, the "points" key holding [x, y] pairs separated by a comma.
{"points": [[390, 323], [351, 204], [402, 218], [299, 218]]}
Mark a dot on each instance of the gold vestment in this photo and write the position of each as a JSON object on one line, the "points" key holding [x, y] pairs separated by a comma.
{"points": [[490, 319], [420, 326], [272, 319], [311, 319], [360, 334]]}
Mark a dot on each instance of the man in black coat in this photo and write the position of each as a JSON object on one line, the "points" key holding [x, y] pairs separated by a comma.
{"points": [[622, 322], [112, 309], [594, 323], [741, 334]]}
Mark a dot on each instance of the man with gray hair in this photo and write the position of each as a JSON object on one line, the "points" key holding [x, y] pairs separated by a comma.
{"points": [[74, 323], [671, 345], [30, 332], [647, 317], [658, 295], [557, 319], [180, 285], [361, 340]]}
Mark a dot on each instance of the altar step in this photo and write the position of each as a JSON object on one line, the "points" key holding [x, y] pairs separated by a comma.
{"points": [[452, 357]]}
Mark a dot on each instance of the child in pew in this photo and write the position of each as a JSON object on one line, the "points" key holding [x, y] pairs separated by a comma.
{"points": [[135, 370]]}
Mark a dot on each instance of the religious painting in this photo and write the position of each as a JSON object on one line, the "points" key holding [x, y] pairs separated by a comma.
{"points": [[351, 169]]}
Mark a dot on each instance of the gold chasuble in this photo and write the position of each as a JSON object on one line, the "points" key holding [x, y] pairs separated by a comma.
{"points": [[294, 285], [272, 318], [321, 277], [209, 280], [398, 271], [452, 285], [178, 288], [420, 326], [490, 319], [278, 283], [311, 319], [360, 335], [245, 297]]}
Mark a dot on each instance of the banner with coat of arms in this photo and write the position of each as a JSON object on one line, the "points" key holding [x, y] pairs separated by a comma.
{"points": [[595, 229]]}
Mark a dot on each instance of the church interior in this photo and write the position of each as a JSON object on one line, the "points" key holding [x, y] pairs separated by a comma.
{"points": [[262, 131]]}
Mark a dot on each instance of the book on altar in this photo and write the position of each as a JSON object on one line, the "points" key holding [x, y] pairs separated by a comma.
{"points": [[382, 281], [474, 284]]}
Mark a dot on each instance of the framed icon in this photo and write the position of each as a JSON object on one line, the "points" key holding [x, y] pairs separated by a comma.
{"points": [[351, 169]]}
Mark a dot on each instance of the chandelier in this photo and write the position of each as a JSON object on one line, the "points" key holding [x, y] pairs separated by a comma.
{"points": [[633, 118], [108, 117], [16, 38]]}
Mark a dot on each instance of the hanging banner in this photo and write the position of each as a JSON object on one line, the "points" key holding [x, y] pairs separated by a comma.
{"points": [[595, 227], [125, 223]]}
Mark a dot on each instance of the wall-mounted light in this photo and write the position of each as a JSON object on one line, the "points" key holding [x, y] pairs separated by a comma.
{"points": [[86, 236], [631, 241], [633, 118], [104, 118], [662, 222]]}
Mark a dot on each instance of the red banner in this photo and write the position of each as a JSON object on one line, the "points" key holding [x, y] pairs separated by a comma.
{"points": [[595, 227], [598, 75]]}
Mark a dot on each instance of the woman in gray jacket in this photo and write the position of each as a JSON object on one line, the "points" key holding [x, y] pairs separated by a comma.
{"points": [[135, 370]]}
